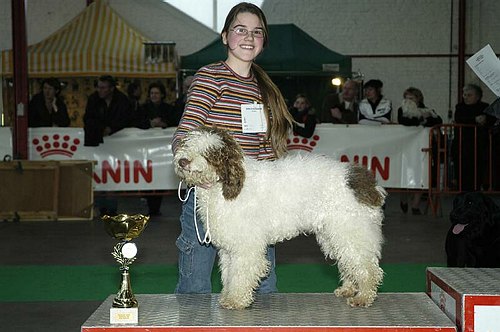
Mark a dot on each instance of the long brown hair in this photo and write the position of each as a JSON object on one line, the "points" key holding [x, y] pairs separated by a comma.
{"points": [[281, 121]]}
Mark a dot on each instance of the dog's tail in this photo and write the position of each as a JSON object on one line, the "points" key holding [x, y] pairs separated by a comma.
{"points": [[365, 187]]}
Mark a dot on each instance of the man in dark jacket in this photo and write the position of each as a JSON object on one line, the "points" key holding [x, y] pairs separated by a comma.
{"points": [[108, 111], [342, 108]]}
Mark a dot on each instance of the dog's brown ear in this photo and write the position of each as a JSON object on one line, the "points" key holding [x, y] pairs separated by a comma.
{"points": [[233, 176], [228, 163]]}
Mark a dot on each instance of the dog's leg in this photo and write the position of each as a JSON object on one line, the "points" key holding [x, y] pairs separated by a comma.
{"points": [[347, 289], [330, 250], [241, 273], [357, 258], [224, 266], [368, 276]]}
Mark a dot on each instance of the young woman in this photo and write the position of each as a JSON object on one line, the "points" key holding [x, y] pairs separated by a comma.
{"points": [[231, 94], [374, 109], [413, 112], [47, 108], [155, 112]]}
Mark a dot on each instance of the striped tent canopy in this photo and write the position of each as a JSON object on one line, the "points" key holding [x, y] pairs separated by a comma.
{"points": [[96, 42]]}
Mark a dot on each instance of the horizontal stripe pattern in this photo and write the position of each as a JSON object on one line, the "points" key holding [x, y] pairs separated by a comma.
{"points": [[94, 43], [215, 98]]}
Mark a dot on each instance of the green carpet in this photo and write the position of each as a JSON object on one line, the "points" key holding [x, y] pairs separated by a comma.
{"points": [[95, 283]]}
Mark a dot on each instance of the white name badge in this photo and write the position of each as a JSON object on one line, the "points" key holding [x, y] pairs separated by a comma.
{"points": [[253, 119]]}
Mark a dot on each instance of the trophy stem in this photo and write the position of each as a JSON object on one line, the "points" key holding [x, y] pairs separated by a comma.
{"points": [[125, 297]]}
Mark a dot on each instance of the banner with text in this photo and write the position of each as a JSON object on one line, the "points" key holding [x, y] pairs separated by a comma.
{"points": [[135, 159]]}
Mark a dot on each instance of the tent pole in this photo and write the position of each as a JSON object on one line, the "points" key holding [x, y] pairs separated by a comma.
{"points": [[20, 75]]}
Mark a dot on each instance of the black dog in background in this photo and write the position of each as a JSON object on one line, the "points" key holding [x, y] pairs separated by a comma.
{"points": [[474, 237]]}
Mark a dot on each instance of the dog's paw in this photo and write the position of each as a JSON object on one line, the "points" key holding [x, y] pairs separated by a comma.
{"points": [[227, 302], [360, 301], [345, 291]]}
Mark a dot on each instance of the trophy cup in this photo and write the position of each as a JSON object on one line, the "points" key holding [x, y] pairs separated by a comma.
{"points": [[125, 228]]}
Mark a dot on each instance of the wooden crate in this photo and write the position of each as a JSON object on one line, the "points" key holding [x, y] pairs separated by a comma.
{"points": [[76, 192], [46, 190]]}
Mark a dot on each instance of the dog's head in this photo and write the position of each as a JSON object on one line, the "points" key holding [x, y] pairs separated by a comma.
{"points": [[208, 155], [473, 212]]}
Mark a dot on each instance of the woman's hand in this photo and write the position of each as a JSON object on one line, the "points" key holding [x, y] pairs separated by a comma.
{"points": [[481, 120], [157, 122]]}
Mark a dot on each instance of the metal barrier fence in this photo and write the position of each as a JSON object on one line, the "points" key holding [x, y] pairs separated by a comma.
{"points": [[462, 158]]}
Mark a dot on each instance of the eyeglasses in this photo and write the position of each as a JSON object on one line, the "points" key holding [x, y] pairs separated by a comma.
{"points": [[244, 32]]}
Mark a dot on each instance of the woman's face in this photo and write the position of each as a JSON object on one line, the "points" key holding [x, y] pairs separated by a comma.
{"points": [[49, 92], [371, 93], [155, 95], [244, 47], [301, 104], [411, 97]]}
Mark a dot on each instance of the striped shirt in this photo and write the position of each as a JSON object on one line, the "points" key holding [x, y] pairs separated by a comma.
{"points": [[214, 99]]}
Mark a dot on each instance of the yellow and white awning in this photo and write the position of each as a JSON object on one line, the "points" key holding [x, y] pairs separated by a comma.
{"points": [[96, 42]]}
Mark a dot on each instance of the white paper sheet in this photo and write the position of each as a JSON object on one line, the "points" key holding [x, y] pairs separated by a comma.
{"points": [[487, 67]]}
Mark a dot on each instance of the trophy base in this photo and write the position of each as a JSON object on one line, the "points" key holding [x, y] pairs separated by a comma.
{"points": [[124, 315]]}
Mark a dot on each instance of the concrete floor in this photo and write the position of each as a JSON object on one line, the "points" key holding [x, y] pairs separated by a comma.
{"points": [[409, 239]]}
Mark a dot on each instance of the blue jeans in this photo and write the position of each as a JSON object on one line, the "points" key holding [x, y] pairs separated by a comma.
{"points": [[196, 260]]}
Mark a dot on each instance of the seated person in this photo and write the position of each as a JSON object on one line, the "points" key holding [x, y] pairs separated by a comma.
{"points": [[303, 113], [374, 109], [155, 112], [47, 108], [472, 142], [342, 108], [414, 113]]}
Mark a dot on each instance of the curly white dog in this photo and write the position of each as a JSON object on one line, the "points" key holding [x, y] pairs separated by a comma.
{"points": [[251, 204]]}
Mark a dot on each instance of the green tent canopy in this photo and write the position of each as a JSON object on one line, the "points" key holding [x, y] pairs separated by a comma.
{"points": [[290, 52]]}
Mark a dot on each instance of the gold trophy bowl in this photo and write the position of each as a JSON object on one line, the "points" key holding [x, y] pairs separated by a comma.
{"points": [[125, 228]]}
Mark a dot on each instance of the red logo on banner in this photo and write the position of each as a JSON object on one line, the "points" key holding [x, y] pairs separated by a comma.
{"points": [[374, 164], [125, 172], [56, 144], [302, 143]]}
